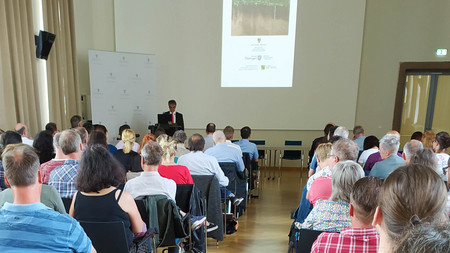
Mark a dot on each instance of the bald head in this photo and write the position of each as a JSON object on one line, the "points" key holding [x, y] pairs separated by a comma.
{"points": [[22, 129], [410, 149], [394, 133], [196, 143]]}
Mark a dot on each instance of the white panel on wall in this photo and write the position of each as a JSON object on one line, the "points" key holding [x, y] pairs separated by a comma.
{"points": [[123, 90]]}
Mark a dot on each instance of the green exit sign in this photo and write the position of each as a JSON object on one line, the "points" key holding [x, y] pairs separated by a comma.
{"points": [[441, 52]]}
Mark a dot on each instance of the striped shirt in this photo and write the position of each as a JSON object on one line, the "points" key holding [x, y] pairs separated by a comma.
{"points": [[36, 228], [64, 178], [350, 240]]}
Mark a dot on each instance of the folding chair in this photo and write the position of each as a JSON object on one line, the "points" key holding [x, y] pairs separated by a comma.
{"points": [[291, 155], [303, 240], [263, 157]]}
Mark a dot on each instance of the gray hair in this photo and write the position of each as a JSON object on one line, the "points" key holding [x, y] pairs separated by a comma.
{"points": [[345, 149], [21, 164], [219, 136], [69, 141], [358, 130], [341, 131], [411, 148], [345, 174], [390, 143], [83, 134], [56, 140], [427, 158], [152, 153], [425, 238], [180, 136]]}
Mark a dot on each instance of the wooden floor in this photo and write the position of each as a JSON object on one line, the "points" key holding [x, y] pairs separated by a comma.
{"points": [[265, 225]]}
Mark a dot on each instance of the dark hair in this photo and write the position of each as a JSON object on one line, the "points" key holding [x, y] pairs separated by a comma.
{"points": [[88, 126], [364, 198], [443, 139], [229, 132], [51, 127], [210, 128], [335, 139], [172, 102], [101, 128], [159, 131], [245, 132], [98, 170], [75, 121], [97, 137], [331, 132], [123, 127], [10, 137], [370, 142], [417, 136], [21, 130], [180, 136], [196, 143], [327, 128], [43, 144]]}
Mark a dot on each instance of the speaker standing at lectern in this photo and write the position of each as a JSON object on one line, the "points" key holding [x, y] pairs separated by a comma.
{"points": [[174, 117]]}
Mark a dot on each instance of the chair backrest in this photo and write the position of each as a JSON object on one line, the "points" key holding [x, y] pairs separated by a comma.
{"points": [[292, 154], [67, 202], [306, 240], [183, 196], [230, 171], [107, 236], [258, 142]]}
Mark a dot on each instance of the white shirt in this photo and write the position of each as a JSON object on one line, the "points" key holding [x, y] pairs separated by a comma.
{"points": [[365, 154], [230, 144], [181, 150], [325, 172], [151, 183], [135, 148], [27, 141], [199, 163]]}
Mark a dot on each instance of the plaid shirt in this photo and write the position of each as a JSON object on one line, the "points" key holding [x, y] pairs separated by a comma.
{"points": [[46, 169], [64, 178], [350, 240]]}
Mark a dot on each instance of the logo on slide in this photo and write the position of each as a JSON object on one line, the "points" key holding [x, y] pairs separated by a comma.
{"points": [[259, 57], [259, 40], [263, 67]]}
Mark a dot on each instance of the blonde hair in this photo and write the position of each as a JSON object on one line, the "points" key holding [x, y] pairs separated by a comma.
{"points": [[128, 138], [168, 146], [427, 139], [323, 150]]}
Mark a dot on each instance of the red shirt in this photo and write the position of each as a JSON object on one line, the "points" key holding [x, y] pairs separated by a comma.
{"points": [[47, 167], [178, 173], [351, 240]]}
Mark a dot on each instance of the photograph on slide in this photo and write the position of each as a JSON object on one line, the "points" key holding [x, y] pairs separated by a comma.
{"points": [[260, 17]]}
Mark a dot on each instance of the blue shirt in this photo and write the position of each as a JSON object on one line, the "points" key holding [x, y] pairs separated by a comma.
{"points": [[64, 178], [36, 228], [248, 147], [224, 153], [360, 142], [383, 168]]}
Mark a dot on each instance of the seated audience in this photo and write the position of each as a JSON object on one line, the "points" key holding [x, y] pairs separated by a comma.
{"points": [[371, 144], [333, 215], [210, 129], [361, 236], [22, 129], [51, 128], [410, 149], [43, 145], [246, 145], [84, 135], [440, 145], [229, 135], [98, 198], [417, 136], [389, 145], [103, 129], [428, 138], [168, 168], [8, 137], [427, 158], [447, 172], [358, 137], [224, 153], [49, 196], [426, 238], [120, 144], [97, 137], [180, 138], [319, 140], [88, 126], [199, 163], [64, 177], [376, 157], [145, 139], [76, 121], [28, 225], [126, 156], [318, 190], [410, 196]]}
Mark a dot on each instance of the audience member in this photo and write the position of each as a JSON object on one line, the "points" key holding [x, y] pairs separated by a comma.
{"points": [[64, 177], [428, 138], [371, 145], [102, 128], [447, 172], [120, 144], [410, 196], [417, 136], [319, 140], [75, 121], [246, 145], [341, 131], [358, 137], [97, 137], [410, 149], [210, 129], [47, 167], [29, 224], [51, 128], [168, 168], [180, 139], [43, 145], [376, 157], [126, 156], [8, 137], [199, 163], [333, 215], [88, 126], [147, 138], [320, 188], [427, 157], [426, 238], [49, 196], [229, 135], [83, 135], [224, 153], [98, 198], [22, 129], [361, 237], [440, 145], [389, 145]]}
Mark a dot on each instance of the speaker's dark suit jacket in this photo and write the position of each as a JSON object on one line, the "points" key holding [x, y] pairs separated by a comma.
{"points": [[178, 119]]}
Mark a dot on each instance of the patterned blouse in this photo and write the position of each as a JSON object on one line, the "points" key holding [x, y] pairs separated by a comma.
{"points": [[328, 216]]}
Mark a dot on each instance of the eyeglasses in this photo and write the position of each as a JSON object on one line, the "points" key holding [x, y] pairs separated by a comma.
{"points": [[330, 155]]}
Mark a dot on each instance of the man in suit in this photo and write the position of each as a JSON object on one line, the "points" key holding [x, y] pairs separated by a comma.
{"points": [[176, 117]]}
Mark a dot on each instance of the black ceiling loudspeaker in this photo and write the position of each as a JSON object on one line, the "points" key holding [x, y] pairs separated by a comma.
{"points": [[44, 43]]}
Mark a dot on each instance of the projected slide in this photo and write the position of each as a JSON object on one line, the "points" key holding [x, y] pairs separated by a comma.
{"points": [[258, 40]]}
